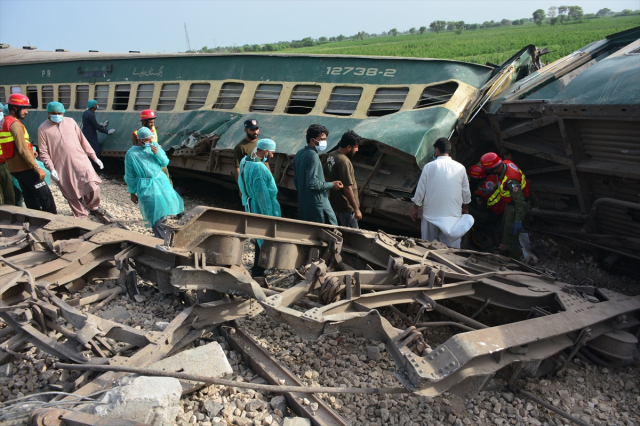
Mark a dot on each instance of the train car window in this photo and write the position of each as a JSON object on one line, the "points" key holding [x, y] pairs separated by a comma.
{"points": [[82, 96], [47, 96], [303, 99], [64, 96], [436, 95], [16, 89], [168, 96], [3, 95], [266, 97], [102, 95], [32, 94], [387, 100], [343, 100], [229, 95], [197, 96], [144, 96], [121, 97]]}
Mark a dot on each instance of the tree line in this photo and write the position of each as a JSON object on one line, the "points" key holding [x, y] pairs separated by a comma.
{"points": [[554, 15]]}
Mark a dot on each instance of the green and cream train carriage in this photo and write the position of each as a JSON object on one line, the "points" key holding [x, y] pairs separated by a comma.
{"points": [[400, 105]]}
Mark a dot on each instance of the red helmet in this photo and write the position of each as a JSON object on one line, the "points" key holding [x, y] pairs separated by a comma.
{"points": [[477, 172], [18, 99], [490, 160], [147, 114]]}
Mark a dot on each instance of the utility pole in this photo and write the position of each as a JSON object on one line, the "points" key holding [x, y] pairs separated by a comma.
{"points": [[187, 34]]}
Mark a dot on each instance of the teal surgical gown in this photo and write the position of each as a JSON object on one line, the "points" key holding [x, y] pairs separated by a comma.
{"points": [[145, 178]]}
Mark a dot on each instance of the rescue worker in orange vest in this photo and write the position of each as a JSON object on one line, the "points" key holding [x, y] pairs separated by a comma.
{"points": [[513, 190], [18, 152], [148, 120], [7, 194]]}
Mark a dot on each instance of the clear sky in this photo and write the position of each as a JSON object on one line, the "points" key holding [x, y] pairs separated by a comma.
{"points": [[158, 26]]}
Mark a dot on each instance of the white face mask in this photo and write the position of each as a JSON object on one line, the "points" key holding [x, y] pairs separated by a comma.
{"points": [[322, 145]]}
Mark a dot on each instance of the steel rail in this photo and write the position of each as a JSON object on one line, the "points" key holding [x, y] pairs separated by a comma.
{"points": [[231, 383]]}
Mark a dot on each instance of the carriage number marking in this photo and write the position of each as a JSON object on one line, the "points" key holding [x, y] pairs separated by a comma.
{"points": [[370, 72]]}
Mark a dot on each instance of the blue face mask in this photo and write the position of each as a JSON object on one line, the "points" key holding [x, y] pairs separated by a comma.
{"points": [[265, 159], [56, 118], [434, 157]]}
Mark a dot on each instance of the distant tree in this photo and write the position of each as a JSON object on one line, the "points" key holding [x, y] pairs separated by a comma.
{"points": [[332, 39], [539, 16], [437, 26], [269, 48], [323, 39], [412, 30], [562, 13], [575, 13], [340, 37], [422, 29], [554, 20], [451, 26], [393, 32], [604, 12], [360, 35], [551, 13], [626, 12], [505, 22], [459, 27], [472, 26]]}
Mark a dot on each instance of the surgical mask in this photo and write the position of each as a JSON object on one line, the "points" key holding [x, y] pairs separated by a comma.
{"points": [[266, 158], [97, 107], [57, 118], [322, 145], [1, 117], [148, 144], [434, 157]]}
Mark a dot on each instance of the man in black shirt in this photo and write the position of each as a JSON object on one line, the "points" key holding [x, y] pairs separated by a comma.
{"points": [[90, 126]]}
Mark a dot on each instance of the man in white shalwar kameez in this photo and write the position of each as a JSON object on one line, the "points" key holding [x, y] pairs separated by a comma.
{"points": [[444, 194]]}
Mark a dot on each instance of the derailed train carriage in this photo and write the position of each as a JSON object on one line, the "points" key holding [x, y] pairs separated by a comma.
{"points": [[573, 125]]}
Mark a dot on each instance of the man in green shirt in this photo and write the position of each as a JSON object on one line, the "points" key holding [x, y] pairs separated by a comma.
{"points": [[338, 167], [313, 202], [246, 145]]}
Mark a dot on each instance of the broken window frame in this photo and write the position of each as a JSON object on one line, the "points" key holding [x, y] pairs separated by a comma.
{"points": [[34, 96], [195, 98], [121, 102], [81, 98], [168, 96], [64, 95], [226, 98], [304, 97], [266, 97], [440, 97], [387, 100], [144, 96], [342, 96]]}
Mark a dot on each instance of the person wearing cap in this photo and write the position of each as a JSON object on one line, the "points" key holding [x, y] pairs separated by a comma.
{"points": [[148, 120], [444, 194], [338, 167], [7, 191], [259, 190], [17, 150], [91, 127], [313, 200], [246, 146], [66, 152], [512, 189], [148, 186]]}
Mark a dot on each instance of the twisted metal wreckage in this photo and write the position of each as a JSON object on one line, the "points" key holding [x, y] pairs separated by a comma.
{"points": [[348, 274]]}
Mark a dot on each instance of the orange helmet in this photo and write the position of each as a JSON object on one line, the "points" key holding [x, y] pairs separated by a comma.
{"points": [[18, 99], [490, 160], [477, 172], [147, 114]]}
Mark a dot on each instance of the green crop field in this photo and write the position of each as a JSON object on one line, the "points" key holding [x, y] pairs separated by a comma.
{"points": [[483, 45]]}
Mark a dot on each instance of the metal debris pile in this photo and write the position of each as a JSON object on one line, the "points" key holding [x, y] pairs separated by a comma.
{"points": [[344, 280]]}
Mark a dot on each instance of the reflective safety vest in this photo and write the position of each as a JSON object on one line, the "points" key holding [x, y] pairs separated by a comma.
{"points": [[153, 130], [502, 193], [490, 182], [7, 144]]}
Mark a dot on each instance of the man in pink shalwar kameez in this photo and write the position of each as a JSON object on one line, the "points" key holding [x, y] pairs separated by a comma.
{"points": [[65, 152]]}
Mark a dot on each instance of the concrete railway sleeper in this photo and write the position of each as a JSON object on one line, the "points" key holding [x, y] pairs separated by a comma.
{"points": [[347, 279]]}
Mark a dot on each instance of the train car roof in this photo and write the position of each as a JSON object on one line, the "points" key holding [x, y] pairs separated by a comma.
{"points": [[18, 56]]}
